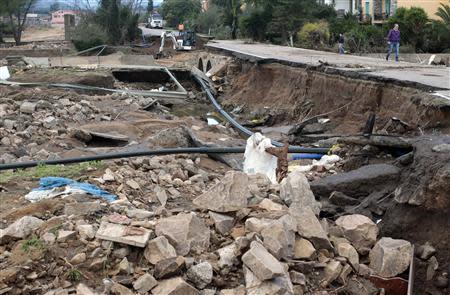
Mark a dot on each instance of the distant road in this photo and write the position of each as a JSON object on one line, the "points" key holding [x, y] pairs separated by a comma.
{"points": [[152, 32]]}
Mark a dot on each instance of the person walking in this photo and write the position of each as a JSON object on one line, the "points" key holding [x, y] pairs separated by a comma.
{"points": [[393, 41], [341, 43]]}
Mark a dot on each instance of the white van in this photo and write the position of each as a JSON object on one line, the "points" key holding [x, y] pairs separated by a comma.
{"points": [[155, 21]]}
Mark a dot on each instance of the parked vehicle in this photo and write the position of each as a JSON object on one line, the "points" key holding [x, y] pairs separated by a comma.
{"points": [[155, 21]]}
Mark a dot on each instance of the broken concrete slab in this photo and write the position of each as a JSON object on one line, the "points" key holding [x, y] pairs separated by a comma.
{"points": [[159, 249], [390, 257], [359, 230], [174, 286], [186, 232], [229, 195], [356, 183], [261, 262], [295, 189], [134, 236], [309, 227]]}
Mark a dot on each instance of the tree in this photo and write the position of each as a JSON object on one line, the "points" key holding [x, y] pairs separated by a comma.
{"points": [[444, 13], [231, 10], [16, 11], [180, 11], [412, 22], [150, 6]]}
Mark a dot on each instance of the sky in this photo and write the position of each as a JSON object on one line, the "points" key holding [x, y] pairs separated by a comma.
{"points": [[47, 3]]}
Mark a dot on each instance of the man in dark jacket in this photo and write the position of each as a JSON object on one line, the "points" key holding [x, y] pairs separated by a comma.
{"points": [[393, 41], [341, 43]]}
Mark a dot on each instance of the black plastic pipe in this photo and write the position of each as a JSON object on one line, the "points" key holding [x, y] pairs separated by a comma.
{"points": [[166, 151]]}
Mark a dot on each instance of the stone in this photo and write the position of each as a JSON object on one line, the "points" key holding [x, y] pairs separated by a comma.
{"points": [[297, 277], [81, 208], [133, 184], [186, 232], [425, 251], [169, 267], [256, 225], [364, 270], [65, 235], [82, 289], [309, 227], [28, 107], [357, 183], [294, 189], [261, 262], [360, 286], [304, 249], [121, 252], [390, 257], [359, 230], [86, 231], [118, 289], [134, 236], [341, 199], [139, 213], [223, 223], [159, 249], [108, 176], [201, 274], [278, 285], [442, 281], [433, 265], [145, 283], [331, 273], [343, 277], [174, 286], [235, 291], [279, 240], [20, 229], [270, 205], [78, 258], [227, 255], [124, 267], [348, 251], [49, 238], [229, 195]]}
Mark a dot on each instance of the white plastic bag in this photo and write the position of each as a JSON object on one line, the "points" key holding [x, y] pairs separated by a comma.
{"points": [[257, 160]]}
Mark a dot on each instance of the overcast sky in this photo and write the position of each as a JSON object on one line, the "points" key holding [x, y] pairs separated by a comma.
{"points": [[46, 3]]}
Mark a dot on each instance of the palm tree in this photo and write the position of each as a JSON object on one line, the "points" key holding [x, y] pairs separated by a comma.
{"points": [[444, 13]]}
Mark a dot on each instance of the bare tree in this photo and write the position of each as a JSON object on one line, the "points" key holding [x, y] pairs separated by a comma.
{"points": [[16, 11]]}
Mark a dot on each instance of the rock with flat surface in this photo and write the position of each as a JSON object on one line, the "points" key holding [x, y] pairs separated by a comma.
{"points": [[65, 235], [78, 258], [303, 249], [169, 267], [270, 205], [425, 251], [174, 286], [28, 107], [295, 189], [359, 230], [390, 257], [348, 251], [145, 283], [279, 239], [186, 232], [159, 249], [134, 236], [20, 229], [118, 289], [309, 227], [278, 285], [262, 263], [357, 183], [331, 272], [223, 223], [201, 274], [82, 289], [139, 213], [256, 225], [229, 195]]}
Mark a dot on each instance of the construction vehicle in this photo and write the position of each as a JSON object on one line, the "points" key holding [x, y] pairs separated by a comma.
{"points": [[185, 41]]}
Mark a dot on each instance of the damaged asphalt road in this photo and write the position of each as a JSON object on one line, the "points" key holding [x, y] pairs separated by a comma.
{"points": [[193, 224]]}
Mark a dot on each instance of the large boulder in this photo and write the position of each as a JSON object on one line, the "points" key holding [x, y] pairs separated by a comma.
{"points": [[20, 229], [359, 230], [262, 263], [390, 257], [309, 227], [295, 189], [186, 232], [229, 195]]}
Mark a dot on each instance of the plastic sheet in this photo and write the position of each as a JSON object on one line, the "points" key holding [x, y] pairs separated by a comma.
{"points": [[257, 160]]}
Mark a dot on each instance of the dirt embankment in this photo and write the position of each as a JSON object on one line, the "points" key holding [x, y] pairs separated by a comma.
{"points": [[293, 94]]}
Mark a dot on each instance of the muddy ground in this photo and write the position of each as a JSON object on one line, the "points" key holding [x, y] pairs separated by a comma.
{"points": [[398, 179]]}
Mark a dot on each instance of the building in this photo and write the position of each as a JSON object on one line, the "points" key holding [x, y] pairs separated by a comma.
{"points": [[378, 11], [58, 16]]}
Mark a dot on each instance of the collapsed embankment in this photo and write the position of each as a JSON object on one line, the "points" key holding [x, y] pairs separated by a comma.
{"points": [[293, 94]]}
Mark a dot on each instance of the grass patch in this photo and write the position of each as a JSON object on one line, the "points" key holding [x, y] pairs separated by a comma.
{"points": [[74, 275], [50, 170], [33, 243], [55, 230]]}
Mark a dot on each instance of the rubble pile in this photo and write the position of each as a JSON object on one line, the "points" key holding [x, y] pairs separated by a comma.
{"points": [[180, 229]]}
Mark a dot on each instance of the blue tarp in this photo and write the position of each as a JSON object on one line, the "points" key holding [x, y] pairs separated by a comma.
{"points": [[47, 183]]}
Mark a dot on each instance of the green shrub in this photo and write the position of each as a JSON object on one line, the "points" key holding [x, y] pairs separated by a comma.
{"points": [[314, 35], [253, 23], [89, 34]]}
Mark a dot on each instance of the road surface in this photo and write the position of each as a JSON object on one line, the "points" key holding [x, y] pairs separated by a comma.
{"points": [[431, 77], [153, 32]]}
